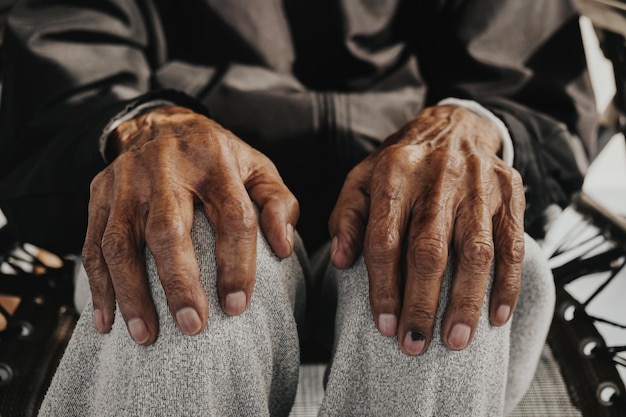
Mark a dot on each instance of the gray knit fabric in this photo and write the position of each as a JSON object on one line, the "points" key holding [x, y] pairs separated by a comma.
{"points": [[530, 324], [239, 366], [370, 376], [248, 365]]}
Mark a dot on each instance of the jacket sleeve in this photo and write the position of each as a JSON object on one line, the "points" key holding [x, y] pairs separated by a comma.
{"points": [[524, 60], [70, 68], [75, 66]]}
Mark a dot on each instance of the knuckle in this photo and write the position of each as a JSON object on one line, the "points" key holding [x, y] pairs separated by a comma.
{"points": [[398, 158], [240, 219], [116, 246], [478, 253], [430, 255], [285, 200], [165, 232], [514, 253]]}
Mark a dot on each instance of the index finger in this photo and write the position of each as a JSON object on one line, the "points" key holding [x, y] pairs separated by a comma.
{"points": [[348, 220], [97, 271], [122, 247], [279, 207]]}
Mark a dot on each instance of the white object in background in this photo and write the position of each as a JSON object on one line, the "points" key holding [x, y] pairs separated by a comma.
{"points": [[600, 68], [605, 180], [3, 220]]}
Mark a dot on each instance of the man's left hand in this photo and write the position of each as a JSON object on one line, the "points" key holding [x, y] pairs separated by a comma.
{"points": [[436, 183]]}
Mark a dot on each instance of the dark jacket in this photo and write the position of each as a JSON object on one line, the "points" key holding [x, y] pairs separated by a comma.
{"points": [[316, 85]]}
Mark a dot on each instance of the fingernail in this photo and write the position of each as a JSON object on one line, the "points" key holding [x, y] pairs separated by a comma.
{"points": [[188, 321], [138, 331], [458, 338], [289, 234], [387, 324], [502, 314], [414, 342], [236, 303], [98, 320]]}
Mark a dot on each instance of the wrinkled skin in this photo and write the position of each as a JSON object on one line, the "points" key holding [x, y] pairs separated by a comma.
{"points": [[168, 159], [436, 182]]}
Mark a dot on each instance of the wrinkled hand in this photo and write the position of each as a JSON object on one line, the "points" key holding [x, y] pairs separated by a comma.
{"points": [[168, 159], [437, 182]]}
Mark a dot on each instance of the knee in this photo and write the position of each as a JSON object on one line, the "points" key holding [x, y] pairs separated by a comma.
{"points": [[278, 284], [537, 280]]}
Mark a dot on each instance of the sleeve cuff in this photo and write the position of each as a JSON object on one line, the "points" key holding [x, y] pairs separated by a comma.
{"points": [[143, 103], [507, 143], [124, 116]]}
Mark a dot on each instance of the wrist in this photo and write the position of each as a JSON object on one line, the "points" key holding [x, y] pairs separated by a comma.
{"points": [[455, 127], [506, 150], [138, 130], [479, 131]]}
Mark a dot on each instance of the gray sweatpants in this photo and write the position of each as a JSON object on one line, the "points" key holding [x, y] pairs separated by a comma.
{"points": [[248, 365]]}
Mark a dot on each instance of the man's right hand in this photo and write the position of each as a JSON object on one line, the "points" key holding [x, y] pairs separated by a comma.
{"points": [[169, 158]]}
